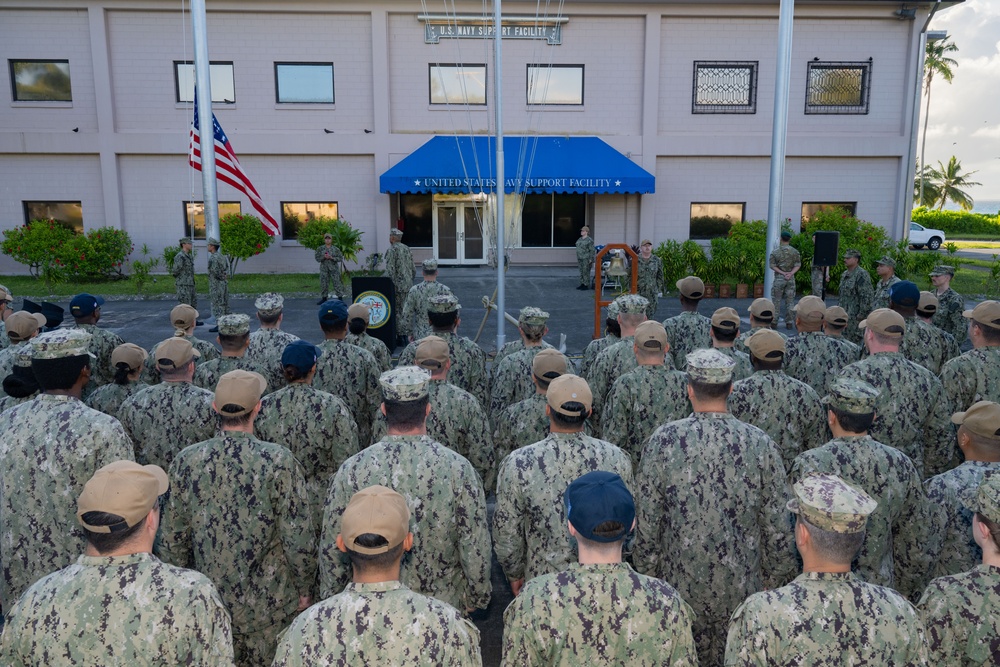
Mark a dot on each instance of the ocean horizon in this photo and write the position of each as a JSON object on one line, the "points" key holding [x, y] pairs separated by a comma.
{"points": [[988, 206]]}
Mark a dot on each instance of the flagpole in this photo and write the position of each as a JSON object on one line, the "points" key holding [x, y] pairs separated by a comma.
{"points": [[203, 93], [500, 188]]}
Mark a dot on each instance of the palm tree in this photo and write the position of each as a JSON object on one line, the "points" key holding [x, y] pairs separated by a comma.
{"points": [[923, 184], [936, 62], [949, 181]]}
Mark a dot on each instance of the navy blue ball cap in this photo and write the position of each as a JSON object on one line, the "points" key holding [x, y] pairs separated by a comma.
{"points": [[596, 498], [85, 304], [905, 293], [301, 354], [333, 311]]}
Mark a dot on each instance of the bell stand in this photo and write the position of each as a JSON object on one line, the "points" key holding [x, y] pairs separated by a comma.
{"points": [[598, 301]]}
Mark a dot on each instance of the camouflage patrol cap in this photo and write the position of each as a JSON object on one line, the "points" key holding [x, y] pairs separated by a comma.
{"points": [[269, 303], [928, 304], [887, 261], [124, 489], [942, 270], [632, 304], [238, 393], [185, 239], [691, 287], [569, 388], [429, 265], [432, 353], [183, 316], [395, 231], [376, 510], [987, 313], [22, 325], [443, 303], [710, 366], [726, 319], [645, 242], [359, 311], [585, 228], [328, 235], [884, 321], [174, 353], [767, 345], [613, 311], [762, 309], [852, 252], [532, 316], [905, 293], [985, 498], [128, 353], [214, 241], [836, 316], [60, 344], [651, 336], [829, 503], [856, 397], [23, 355], [983, 419], [810, 309], [406, 383], [549, 364], [599, 497], [234, 324]]}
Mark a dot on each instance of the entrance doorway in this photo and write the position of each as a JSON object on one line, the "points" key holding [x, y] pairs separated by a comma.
{"points": [[458, 232]]}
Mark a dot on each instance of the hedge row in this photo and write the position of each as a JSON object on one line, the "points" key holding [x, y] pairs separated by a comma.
{"points": [[957, 222]]}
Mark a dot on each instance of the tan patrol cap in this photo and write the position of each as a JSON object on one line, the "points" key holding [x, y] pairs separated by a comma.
{"points": [[762, 309], [650, 335], [569, 388], [183, 316], [122, 488], [691, 287], [22, 325], [240, 389], [829, 503], [128, 353], [376, 510], [726, 318], [836, 316], [810, 309], [645, 242], [928, 304], [549, 364], [174, 353], [432, 353], [884, 321], [766, 344], [983, 419], [359, 311], [987, 313]]}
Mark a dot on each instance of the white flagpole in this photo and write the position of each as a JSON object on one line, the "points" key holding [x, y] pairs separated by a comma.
{"points": [[203, 88], [501, 251]]}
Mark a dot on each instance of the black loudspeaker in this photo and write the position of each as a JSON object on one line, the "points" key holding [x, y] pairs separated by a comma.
{"points": [[378, 293], [826, 246]]}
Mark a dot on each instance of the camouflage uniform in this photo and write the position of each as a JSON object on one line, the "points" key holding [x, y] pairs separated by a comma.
{"points": [[650, 281], [8, 359], [788, 410], [741, 341], [816, 359], [102, 344], [51, 446], [512, 381], [593, 350], [330, 259], [399, 267], [109, 398], [744, 368], [783, 258], [380, 623], [218, 284], [973, 376], [351, 374], [826, 618], [856, 294], [949, 318], [882, 289], [266, 346], [373, 345], [926, 345], [165, 418], [516, 345], [119, 610], [710, 505], [614, 362], [598, 615], [450, 559], [7, 402], [585, 255], [639, 402], [959, 552], [529, 524], [687, 332], [207, 373], [523, 423], [962, 619], [317, 428], [238, 511], [468, 364], [911, 414], [183, 272], [413, 322]]}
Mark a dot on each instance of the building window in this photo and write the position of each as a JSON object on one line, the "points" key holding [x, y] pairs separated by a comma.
{"points": [[552, 220], [194, 216], [416, 219], [221, 73], [457, 84], [303, 83], [838, 88], [709, 220], [296, 214], [555, 84], [724, 87], [40, 81], [809, 209], [67, 213]]}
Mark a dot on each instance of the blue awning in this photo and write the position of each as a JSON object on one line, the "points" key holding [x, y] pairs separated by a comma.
{"points": [[467, 164]]}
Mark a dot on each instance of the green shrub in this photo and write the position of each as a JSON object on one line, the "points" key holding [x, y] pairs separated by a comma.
{"points": [[242, 237], [871, 240], [38, 245], [750, 239], [345, 237], [709, 226], [957, 222], [674, 263], [141, 268], [54, 253]]}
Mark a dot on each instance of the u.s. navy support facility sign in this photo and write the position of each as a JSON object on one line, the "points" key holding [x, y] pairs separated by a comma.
{"points": [[438, 26]]}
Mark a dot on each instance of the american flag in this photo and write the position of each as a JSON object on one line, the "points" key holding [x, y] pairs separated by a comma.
{"points": [[228, 168]]}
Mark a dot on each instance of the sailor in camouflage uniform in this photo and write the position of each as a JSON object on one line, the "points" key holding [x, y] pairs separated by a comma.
{"points": [[526, 422], [21, 327], [20, 385], [218, 281], [268, 342], [86, 312], [598, 611], [786, 409], [183, 272], [183, 318], [127, 362], [945, 347], [951, 304], [922, 341], [912, 413], [645, 397], [827, 615], [856, 294], [238, 511], [725, 329], [612, 334], [529, 524], [688, 331], [377, 619], [330, 259], [812, 356], [234, 339], [358, 317], [512, 375], [585, 254], [649, 276], [399, 267], [51, 446], [167, 417], [468, 361], [895, 551], [975, 376], [710, 494], [450, 559], [761, 317], [785, 261], [457, 420], [6, 298], [119, 604], [413, 320], [979, 440], [962, 611], [886, 270], [314, 425], [347, 371], [531, 327]]}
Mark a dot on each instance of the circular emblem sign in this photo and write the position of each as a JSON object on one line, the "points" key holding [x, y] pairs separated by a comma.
{"points": [[378, 305]]}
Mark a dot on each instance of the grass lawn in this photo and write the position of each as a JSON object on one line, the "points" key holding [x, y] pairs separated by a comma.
{"points": [[975, 241], [289, 284]]}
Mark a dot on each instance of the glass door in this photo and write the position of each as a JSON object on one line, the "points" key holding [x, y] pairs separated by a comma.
{"points": [[458, 234], [446, 233], [472, 235]]}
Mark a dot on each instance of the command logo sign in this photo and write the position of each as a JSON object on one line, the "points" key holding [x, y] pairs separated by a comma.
{"points": [[379, 307]]}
